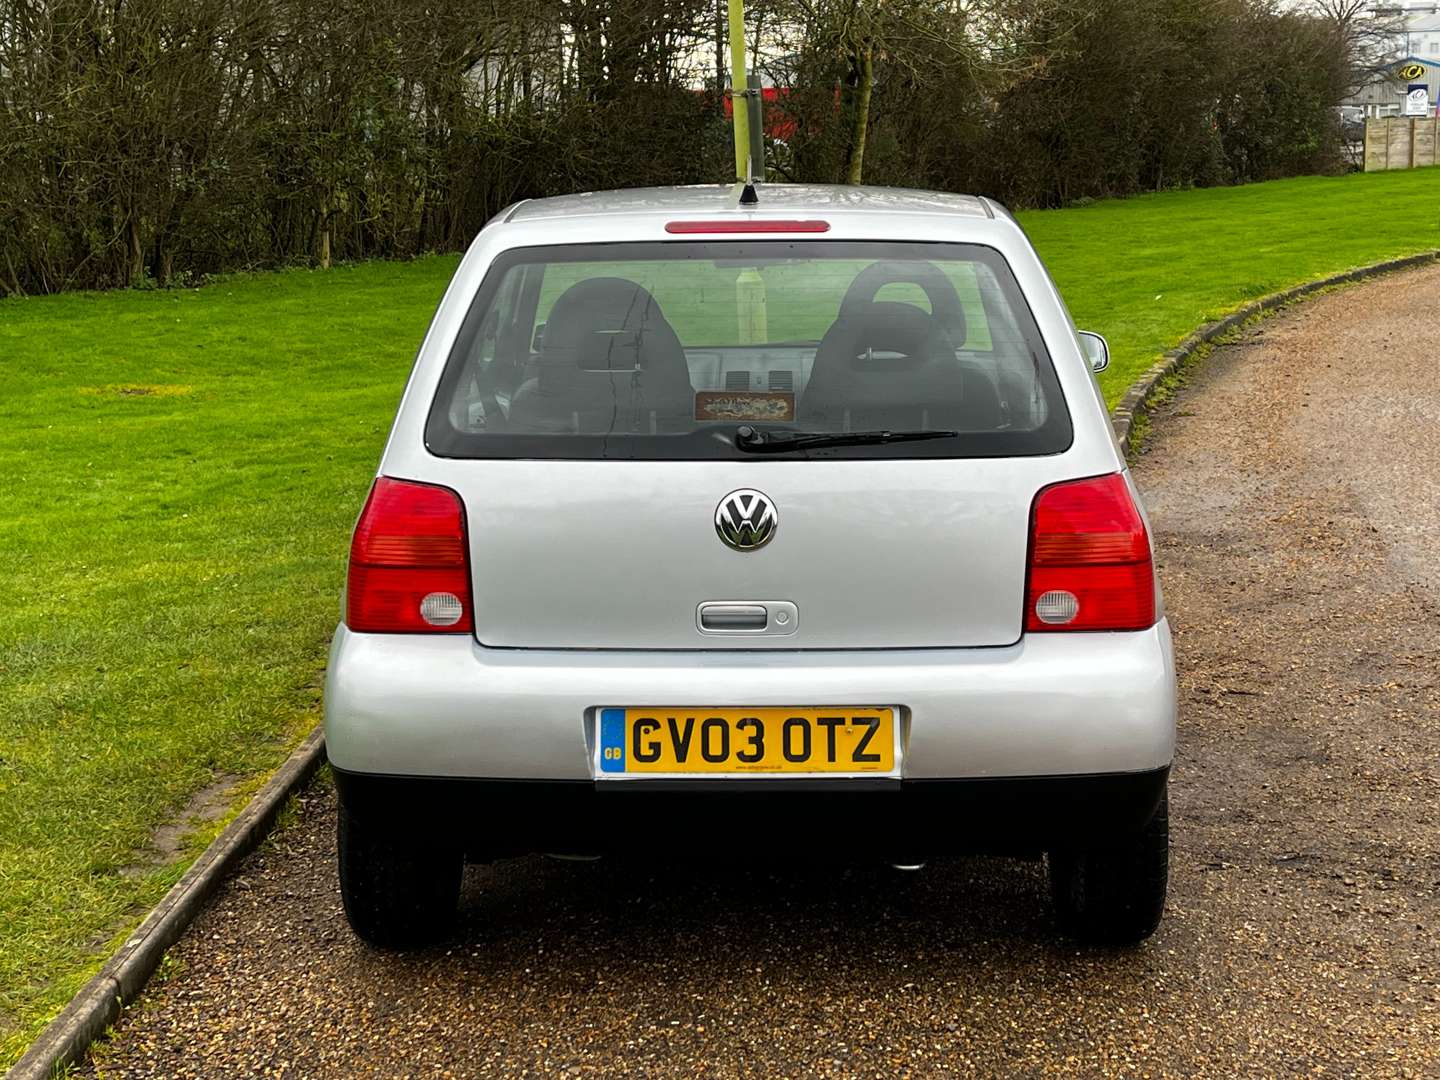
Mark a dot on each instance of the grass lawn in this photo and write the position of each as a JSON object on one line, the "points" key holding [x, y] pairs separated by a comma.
{"points": [[182, 470], [1146, 271]]}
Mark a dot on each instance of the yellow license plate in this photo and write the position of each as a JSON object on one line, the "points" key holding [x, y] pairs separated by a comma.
{"points": [[678, 741]]}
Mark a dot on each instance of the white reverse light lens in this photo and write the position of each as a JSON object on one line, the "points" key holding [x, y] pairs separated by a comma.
{"points": [[443, 609], [1056, 607]]}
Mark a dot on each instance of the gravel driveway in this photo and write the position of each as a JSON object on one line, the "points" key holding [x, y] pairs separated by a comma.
{"points": [[1295, 488]]}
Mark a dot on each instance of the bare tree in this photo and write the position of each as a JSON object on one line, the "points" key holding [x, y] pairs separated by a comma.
{"points": [[1365, 33]]}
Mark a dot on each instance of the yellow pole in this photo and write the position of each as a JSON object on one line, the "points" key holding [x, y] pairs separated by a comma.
{"points": [[749, 285], [750, 309], [737, 87]]}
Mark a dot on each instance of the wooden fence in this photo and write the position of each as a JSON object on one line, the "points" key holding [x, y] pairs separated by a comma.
{"points": [[1400, 142]]}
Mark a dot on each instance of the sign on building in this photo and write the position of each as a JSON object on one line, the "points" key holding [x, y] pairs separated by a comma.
{"points": [[1417, 100]]}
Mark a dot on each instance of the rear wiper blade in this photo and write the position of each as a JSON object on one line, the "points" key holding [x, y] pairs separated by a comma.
{"points": [[754, 441]]}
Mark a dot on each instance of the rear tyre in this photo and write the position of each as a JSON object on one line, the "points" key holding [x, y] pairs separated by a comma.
{"points": [[398, 891], [1113, 892]]}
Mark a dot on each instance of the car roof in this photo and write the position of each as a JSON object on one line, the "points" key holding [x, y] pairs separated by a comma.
{"points": [[719, 198]]}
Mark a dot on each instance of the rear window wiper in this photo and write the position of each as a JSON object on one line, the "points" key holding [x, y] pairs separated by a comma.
{"points": [[754, 441]]}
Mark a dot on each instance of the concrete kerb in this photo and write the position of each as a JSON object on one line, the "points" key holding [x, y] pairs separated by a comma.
{"points": [[1134, 403], [124, 975], [97, 1006]]}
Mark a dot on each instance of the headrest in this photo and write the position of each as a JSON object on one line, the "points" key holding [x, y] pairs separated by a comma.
{"points": [[600, 325], [883, 326], [945, 303]]}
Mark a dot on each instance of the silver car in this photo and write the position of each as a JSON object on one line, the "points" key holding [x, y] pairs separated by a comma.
{"points": [[788, 522]]}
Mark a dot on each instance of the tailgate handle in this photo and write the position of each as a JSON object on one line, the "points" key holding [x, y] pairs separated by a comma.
{"points": [[734, 617]]}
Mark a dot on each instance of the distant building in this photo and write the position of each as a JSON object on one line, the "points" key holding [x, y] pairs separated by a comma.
{"points": [[1418, 25], [1385, 94], [1412, 58]]}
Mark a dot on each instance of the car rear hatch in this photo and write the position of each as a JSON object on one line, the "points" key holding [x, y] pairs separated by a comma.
{"points": [[602, 403], [591, 555]]}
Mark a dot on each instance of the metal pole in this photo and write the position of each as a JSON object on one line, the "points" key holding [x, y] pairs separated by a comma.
{"points": [[755, 106], [738, 111]]}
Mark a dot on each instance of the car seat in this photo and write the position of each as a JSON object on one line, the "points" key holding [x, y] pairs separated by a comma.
{"points": [[891, 365], [608, 362]]}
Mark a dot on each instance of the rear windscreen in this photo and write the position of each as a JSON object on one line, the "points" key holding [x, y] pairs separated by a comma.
{"points": [[708, 350]]}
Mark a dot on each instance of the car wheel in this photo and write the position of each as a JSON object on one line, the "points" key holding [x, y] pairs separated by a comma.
{"points": [[398, 891], [1113, 893]]}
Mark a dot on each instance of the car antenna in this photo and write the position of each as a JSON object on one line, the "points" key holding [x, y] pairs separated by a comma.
{"points": [[748, 195]]}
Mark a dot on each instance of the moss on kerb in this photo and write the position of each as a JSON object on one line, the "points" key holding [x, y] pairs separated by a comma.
{"points": [[1158, 383]]}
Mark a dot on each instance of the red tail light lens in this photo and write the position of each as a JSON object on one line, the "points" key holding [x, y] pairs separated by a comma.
{"points": [[1090, 566], [409, 566]]}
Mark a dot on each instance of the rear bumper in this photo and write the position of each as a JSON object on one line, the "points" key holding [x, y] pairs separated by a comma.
{"points": [[908, 820], [1051, 705]]}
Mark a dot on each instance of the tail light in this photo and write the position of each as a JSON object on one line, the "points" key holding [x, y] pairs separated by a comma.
{"points": [[1090, 566], [409, 567], [747, 225]]}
